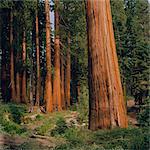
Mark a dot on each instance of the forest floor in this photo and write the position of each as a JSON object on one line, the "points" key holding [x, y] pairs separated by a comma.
{"points": [[63, 131], [132, 112]]}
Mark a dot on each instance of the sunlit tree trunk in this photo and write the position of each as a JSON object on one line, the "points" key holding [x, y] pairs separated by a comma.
{"points": [[106, 105], [48, 82], [68, 74], [13, 92], [57, 80], [38, 89], [24, 70]]}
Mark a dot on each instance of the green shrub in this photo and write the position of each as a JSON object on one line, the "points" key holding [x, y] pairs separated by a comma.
{"points": [[44, 128], [73, 137], [140, 142], [39, 117], [60, 128], [10, 118], [131, 138], [83, 105], [144, 115]]}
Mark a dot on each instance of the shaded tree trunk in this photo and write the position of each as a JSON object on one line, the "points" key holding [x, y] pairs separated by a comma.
{"points": [[18, 81], [68, 74], [31, 85], [24, 69], [106, 102], [38, 89], [12, 80], [3, 75], [78, 92], [57, 79], [48, 82]]}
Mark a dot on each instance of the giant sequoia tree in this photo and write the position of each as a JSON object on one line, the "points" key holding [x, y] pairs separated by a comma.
{"points": [[13, 93], [48, 82], [57, 79], [106, 106], [37, 59]]}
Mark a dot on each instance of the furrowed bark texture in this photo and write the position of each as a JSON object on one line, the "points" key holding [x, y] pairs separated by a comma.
{"points": [[38, 89], [62, 84], [18, 82], [12, 80], [106, 105], [57, 79], [48, 82], [24, 70], [68, 74]]}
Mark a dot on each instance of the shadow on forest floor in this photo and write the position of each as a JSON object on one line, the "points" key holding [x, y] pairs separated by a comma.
{"points": [[132, 111]]}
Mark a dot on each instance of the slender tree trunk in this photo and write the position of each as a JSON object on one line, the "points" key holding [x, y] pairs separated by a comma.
{"points": [[78, 92], [31, 91], [18, 82], [62, 84], [3, 79], [57, 80], [68, 74], [24, 70], [38, 89], [13, 93], [48, 83], [106, 105], [3, 69]]}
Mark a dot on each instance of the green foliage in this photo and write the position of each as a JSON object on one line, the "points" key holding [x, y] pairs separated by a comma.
{"points": [[45, 127], [82, 107], [10, 118], [39, 117], [136, 48], [60, 128], [144, 115], [131, 138]]}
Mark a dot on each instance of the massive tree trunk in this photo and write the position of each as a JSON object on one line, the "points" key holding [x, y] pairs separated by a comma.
{"points": [[38, 89], [68, 74], [12, 80], [57, 80], [106, 105], [48, 83], [24, 70]]}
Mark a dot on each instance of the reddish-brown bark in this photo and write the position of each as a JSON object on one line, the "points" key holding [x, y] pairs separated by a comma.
{"points": [[12, 80], [57, 79], [68, 74], [48, 82], [62, 84], [38, 89], [24, 70], [107, 108], [18, 98]]}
